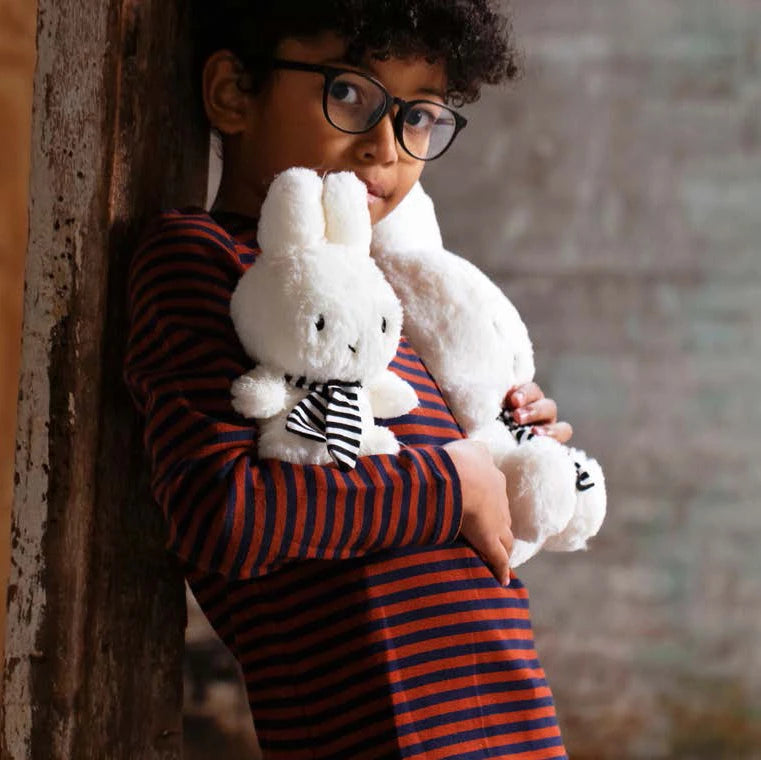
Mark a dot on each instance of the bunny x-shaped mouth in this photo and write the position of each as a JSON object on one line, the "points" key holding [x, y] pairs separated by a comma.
{"points": [[353, 349]]}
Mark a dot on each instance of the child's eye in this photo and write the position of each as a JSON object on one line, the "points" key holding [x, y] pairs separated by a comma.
{"points": [[383, 325], [320, 323], [422, 119], [344, 92]]}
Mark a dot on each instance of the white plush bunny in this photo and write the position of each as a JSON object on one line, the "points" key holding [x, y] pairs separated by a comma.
{"points": [[475, 344], [322, 323]]}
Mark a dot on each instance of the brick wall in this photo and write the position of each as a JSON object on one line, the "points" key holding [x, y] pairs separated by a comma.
{"points": [[615, 193]]}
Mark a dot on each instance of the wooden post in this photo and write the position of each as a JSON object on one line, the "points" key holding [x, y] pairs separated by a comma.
{"points": [[96, 607], [17, 62]]}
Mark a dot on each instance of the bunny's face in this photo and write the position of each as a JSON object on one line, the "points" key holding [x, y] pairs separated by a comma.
{"points": [[314, 306], [325, 318]]}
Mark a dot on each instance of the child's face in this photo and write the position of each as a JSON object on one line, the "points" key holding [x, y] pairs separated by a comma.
{"points": [[284, 126]]}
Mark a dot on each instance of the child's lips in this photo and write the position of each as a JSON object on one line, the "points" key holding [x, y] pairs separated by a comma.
{"points": [[376, 192]]}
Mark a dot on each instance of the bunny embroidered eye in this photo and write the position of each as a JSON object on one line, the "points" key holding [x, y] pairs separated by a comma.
{"points": [[383, 325], [320, 323]]}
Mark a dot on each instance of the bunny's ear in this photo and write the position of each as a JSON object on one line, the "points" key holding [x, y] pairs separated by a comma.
{"points": [[292, 215], [347, 218]]}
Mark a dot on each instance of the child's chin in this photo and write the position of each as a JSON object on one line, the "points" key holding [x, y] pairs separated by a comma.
{"points": [[379, 208]]}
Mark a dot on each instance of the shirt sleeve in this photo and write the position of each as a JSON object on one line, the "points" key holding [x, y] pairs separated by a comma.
{"points": [[228, 512]]}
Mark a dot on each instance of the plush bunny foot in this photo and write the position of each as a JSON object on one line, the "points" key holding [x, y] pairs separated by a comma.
{"points": [[275, 442], [523, 551], [590, 508], [379, 440], [540, 488]]}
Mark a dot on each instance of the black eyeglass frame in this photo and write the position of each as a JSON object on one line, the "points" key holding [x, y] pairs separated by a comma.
{"points": [[331, 73]]}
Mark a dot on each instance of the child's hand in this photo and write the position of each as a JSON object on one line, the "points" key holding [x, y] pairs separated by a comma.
{"points": [[529, 406], [485, 512]]}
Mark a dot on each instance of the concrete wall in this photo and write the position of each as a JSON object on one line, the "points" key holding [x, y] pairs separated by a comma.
{"points": [[616, 195]]}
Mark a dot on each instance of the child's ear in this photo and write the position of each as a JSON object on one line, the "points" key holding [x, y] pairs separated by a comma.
{"points": [[225, 102]]}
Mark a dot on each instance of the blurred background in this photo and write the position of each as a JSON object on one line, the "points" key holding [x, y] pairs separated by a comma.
{"points": [[615, 194]]}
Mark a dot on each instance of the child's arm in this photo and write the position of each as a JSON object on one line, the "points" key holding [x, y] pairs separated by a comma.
{"points": [[226, 511]]}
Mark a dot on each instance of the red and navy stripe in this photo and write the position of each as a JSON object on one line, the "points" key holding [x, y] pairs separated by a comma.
{"points": [[364, 627]]}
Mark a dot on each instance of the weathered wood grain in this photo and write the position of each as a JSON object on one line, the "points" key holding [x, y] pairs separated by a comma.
{"points": [[17, 64], [96, 606]]}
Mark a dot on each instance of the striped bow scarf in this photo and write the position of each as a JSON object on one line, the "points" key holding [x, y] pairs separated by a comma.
{"points": [[523, 433], [520, 432], [329, 413]]}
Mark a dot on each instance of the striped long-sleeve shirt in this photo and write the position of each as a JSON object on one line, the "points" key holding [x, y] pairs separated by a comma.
{"points": [[364, 627]]}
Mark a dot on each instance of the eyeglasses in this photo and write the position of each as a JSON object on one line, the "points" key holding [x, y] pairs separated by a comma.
{"points": [[354, 102]]}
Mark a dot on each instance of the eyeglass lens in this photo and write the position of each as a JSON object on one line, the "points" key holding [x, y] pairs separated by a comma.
{"points": [[354, 103]]}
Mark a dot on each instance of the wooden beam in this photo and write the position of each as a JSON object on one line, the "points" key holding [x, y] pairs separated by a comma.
{"points": [[17, 62], [96, 606]]}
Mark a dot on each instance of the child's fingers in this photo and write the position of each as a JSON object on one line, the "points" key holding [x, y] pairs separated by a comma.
{"points": [[560, 431], [500, 563], [530, 407], [521, 395], [542, 412], [507, 541], [496, 556]]}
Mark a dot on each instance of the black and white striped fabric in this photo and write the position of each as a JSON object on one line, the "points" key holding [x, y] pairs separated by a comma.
{"points": [[523, 433], [329, 413]]}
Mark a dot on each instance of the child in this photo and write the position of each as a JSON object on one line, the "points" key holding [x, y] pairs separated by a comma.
{"points": [[372, 611]]}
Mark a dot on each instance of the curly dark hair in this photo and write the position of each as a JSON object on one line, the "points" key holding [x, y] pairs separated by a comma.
{"points": [[473, 37]]}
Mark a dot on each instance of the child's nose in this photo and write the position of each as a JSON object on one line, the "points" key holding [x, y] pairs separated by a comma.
{"points": [[379, 144]]}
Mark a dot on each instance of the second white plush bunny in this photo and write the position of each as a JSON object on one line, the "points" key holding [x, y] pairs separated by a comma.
{"points": [[322, 323], [474, 342]]}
